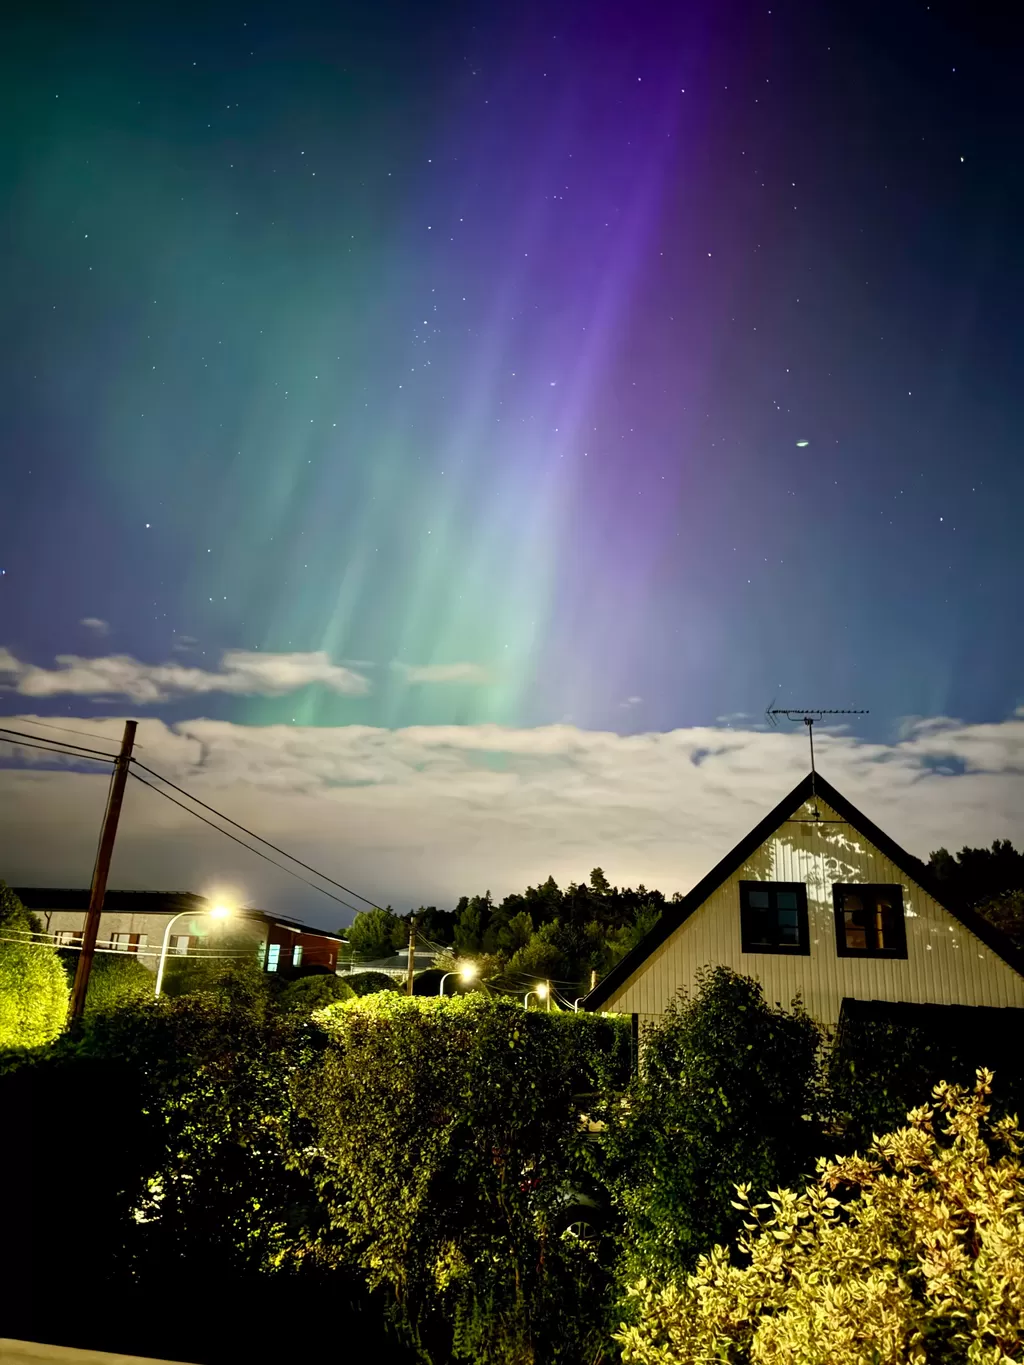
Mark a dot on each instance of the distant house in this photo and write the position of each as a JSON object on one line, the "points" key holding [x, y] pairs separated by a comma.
{"points": [[136, 921], [819, 902], [396, 966]]}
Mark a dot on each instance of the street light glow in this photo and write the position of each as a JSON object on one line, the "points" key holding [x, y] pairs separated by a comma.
{"points": [[220, 912], [542, 990], [467, 971]]}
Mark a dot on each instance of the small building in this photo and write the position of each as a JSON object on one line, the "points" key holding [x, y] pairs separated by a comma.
{"points": [[136, 921], [819, 902], [396, 966]]}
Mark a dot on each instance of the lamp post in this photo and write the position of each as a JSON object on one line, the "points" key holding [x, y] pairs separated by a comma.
{"points": [[467, 972], [217, 912], [542, 992]]}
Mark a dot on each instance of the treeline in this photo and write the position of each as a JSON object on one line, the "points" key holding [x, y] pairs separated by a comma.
{"points": [[989, 881], [544, 931]]}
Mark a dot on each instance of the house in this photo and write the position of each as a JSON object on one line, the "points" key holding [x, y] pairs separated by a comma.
{"points": [[819, 902], [396, 966], [136, 921]]}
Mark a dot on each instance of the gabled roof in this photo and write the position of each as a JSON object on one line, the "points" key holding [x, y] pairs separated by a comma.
{"points": [[678, 912]]}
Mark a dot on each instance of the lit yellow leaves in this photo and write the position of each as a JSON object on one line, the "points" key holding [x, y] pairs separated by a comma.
{"points": [[920, 1258]]}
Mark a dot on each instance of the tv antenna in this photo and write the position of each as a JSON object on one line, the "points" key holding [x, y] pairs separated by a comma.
{"points": [[808, 714]]}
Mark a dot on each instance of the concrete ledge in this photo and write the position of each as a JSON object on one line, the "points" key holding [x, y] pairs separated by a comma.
{"points": [[35, 1353]]}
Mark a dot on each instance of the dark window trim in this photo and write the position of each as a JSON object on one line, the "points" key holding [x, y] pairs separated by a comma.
{"points": [[803, 949], [899, 953]]}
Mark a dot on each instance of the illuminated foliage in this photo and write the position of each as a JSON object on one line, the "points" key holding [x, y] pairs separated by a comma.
{"points": [[911, 1253], [446, 1143], [34, 989]]}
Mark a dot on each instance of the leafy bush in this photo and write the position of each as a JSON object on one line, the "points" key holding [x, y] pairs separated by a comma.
{"points": [[369, 983], [34, 989], [724, 1093], [884, 1058], [116, 980], [921, 1259], [313, 992], [445, 1141]]}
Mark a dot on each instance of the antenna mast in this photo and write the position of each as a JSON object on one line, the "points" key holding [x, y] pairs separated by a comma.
{"points": [[808, 714]]}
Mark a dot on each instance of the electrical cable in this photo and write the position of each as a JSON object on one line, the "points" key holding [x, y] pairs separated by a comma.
{"points": [[45, 725], [228, 835], [50, 746], [259, 838]]}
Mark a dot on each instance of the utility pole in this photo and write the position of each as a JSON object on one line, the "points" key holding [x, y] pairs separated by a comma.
{"points": [[412, 955], [115, 797]]}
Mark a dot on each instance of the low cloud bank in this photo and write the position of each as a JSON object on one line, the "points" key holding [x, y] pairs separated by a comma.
{"points": [[427, 813]]}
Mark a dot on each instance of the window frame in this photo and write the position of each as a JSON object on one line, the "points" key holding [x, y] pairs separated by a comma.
{"points": [[803, 948], [897, 954]]}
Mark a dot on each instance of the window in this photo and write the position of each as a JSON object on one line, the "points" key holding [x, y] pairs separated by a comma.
{"points": [[140, 942], [273, 957], [68, 938], [121, 943], [773, 918], [179, 944], [869, 921], [297, 955]]}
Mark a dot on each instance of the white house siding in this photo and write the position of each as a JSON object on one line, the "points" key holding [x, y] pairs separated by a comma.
{"points": [[150, 924], [945, 963]]}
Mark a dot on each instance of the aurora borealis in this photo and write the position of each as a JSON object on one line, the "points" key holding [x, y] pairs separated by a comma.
{"points": [[622, 366]]}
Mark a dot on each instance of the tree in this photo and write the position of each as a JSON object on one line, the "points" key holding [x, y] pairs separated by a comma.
{"points": [[989, 880], [724, 1093], [599, 883], [516, 934], [471, 923], [370, 933], [911, 1253], [34, 989], [542, 957]]}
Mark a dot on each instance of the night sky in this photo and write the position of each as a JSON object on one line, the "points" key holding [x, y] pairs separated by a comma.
{"points": [[619, 366]]}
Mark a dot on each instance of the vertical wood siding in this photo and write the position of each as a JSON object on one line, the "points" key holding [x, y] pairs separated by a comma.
{"points": [[945, 963]]}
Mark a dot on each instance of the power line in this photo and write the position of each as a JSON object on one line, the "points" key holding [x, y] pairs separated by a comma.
{"points": [[40, 741], [20, 740], [45, 725], [259, 838], [228, 835]]}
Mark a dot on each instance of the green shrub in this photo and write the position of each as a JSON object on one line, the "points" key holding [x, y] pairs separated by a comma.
{"points": [[724, 1093], [919, 1259], [34, 989], [369, 983], [313, 992], [445, 1141]]}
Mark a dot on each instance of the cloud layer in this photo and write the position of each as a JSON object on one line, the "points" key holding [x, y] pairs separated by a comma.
{"points": [[241, 672], [425, 814]]}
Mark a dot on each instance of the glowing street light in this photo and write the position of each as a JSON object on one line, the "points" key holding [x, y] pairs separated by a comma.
{"points": [[466, 972], [542, 992], [215, 912]]}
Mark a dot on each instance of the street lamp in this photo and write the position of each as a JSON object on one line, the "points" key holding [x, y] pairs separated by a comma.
{"points": [[542, 992], [216, 912], [467, 972]]}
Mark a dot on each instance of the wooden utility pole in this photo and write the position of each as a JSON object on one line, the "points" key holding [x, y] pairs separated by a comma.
{"points": [[100, 871], [412, 955]]}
